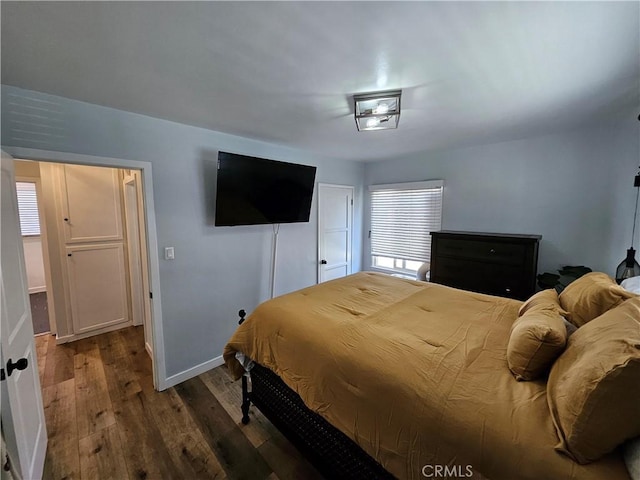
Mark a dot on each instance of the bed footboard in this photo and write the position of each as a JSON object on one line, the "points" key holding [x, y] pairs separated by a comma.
{"points": [[333, 453]]}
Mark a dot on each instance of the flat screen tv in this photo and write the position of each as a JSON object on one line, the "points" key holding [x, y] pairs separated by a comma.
{"points": [[253, 191]]}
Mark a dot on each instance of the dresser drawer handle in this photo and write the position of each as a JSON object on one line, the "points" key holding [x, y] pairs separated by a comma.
{"points": [[492, 251]]}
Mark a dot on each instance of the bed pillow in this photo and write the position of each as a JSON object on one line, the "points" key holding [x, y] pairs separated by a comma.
{"points": [[594, 386], [590, 296], [544, 298], [537, 338]]}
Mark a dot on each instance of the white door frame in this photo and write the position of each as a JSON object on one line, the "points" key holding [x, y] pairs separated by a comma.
{"points": [[136, 247], [320, 228], [159, 365], [134, 250]]}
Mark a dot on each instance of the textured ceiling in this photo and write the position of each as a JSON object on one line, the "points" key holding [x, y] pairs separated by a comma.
{"points": [[471, 72]]}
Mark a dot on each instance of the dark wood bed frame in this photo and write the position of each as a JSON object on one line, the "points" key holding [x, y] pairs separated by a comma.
{"points": [[333, 453]]}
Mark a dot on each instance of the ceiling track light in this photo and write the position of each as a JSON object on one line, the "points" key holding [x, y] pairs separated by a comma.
{"points": [[377, 110]]}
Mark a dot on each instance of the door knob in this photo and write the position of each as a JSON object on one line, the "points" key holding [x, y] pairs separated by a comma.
{"points": [[21, 364], [323, 262]]}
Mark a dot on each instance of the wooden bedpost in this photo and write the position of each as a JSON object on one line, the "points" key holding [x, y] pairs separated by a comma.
{"points": [[246, 400]]}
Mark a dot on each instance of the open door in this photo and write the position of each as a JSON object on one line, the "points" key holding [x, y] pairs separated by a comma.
{"points": [[23, 422]]}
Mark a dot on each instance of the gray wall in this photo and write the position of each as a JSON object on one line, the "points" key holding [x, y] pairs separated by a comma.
{"points": [[574, 188], [217, 270]]}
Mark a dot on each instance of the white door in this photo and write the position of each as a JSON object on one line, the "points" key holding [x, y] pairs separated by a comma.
{"points": [[335, 231], [23, 421], [94, 248]]}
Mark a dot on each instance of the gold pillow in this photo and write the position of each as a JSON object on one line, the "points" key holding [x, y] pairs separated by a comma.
{"points": [[594, 387], [537, 338], [590, 296], [543, 298]]}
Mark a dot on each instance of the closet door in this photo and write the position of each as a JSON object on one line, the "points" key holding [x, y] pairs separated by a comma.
{"points": [[94, 247]]}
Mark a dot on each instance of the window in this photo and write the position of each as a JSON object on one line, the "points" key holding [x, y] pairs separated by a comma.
{"points": [[402, 216], [28, 208]]}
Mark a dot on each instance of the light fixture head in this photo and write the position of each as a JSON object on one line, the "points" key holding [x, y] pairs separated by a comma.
{"points": [[378, 110]]}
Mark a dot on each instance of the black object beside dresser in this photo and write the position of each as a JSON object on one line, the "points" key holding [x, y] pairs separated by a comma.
{"points": [[493, 263]]}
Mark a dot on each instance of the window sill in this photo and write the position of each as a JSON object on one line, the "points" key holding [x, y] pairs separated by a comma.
{"points": [[395, 273]]}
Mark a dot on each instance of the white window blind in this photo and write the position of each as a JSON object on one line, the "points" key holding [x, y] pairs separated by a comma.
{"points": [[28, 208], [402, 215]]}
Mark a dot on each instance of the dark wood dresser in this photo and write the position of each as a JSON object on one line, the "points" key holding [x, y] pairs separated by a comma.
{"points": [[493, 263]]}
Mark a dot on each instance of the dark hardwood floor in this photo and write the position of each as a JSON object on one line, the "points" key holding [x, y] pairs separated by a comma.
{"points": [[105, 420]]}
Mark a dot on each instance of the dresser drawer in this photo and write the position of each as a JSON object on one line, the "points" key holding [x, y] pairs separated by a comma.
{"points": [[494, 252], [502, 280]]}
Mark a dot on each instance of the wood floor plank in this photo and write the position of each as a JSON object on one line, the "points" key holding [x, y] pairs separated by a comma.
{"points": [[139, 358], [145, 453], [280, 454], [42, 345], [94, 407], [186, 445], [101, 456], [234, 451], [62, 459], [59, 365], [122, 381], [191, 453], [229, 394]]}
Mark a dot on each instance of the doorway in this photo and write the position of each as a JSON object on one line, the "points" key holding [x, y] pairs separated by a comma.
{"points": [[94, 270], [135, 173]]}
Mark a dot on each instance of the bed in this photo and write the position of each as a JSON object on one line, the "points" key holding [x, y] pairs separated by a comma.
{"points": [[413, 374]]}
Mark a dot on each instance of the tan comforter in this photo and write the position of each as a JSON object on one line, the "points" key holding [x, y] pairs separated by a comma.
{"points": [[416, 374]]}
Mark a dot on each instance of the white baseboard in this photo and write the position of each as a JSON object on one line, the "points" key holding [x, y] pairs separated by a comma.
{"points": [[37, 289], [193, 371]]}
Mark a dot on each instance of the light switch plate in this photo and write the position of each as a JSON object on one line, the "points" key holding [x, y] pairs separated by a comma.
{"points": [[169, 253]]}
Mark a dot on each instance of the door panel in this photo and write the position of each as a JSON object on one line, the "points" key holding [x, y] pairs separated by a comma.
{"points": [[16, 305], [336, 247], [22, 410], [92, 209], [335, 205], [97, 299], [335, 272], [335, 231]]}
